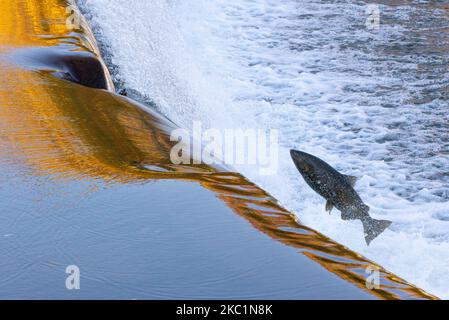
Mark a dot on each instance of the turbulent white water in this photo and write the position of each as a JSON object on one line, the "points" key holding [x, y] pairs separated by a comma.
{"points": [[373, 103]]}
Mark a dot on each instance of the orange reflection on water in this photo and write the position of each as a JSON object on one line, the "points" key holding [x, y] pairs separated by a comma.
{"points": [[44, 18]]}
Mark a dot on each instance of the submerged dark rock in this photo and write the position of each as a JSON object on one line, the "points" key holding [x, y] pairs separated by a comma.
{"points": [[81, 67], [84, 70]]}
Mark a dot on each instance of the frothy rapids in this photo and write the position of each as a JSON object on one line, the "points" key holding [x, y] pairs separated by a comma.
{"points": [[373, 103]]}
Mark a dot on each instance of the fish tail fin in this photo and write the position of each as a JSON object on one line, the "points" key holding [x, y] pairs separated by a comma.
{"points": [[373, 228]]}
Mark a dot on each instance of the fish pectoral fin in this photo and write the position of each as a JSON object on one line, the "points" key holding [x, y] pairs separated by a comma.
{"points": [[352, 180], [329, 206]]}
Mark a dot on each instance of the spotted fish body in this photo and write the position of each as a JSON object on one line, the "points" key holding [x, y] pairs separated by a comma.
{"points": [[338, 190]]}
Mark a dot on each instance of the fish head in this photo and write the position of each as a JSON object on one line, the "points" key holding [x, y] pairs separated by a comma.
{"points": [[302, 162]]}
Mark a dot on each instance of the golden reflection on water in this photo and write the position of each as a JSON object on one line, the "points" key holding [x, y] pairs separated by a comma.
{"points": [[35, 23], [73, 132]]}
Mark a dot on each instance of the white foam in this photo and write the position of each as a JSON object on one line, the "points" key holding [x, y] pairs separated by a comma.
{"points": [[332, 88]]}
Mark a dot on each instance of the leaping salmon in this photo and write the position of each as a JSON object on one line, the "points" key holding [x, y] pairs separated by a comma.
{"points": [[338, 190]]}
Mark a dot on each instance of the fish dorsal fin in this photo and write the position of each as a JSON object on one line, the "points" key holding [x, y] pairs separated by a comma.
{"points": [[352, 180], [329, 206]]}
